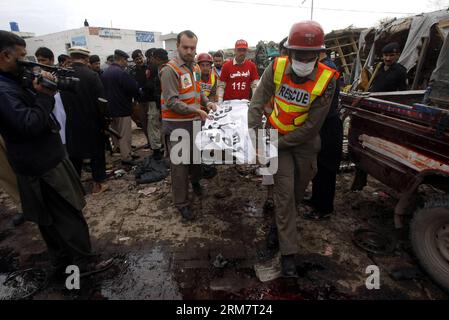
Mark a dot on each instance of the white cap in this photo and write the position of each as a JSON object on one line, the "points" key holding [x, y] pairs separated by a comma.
{"points": [[80, 50]]}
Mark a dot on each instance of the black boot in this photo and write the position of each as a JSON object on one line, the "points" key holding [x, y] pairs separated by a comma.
{"points": [[288, 265], [18, 219], [268, 206], [197, 189], [360, 180], [157, 154], [187, 214], [272, 238]]}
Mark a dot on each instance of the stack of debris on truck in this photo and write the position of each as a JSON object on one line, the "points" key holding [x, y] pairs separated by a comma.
{"points": [[402, 138], [420, 37]]}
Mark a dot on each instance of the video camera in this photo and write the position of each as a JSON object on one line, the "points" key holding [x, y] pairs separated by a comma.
{"points": [[63, 79]]}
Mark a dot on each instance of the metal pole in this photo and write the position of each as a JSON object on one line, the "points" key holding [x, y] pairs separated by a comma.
{"points": [[311, 12]]}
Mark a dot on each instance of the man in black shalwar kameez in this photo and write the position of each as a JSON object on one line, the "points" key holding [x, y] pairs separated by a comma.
{"points": [[85, 119]]}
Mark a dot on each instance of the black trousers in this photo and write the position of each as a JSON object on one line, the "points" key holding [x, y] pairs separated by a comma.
{"points": [[97, 165], [329, 158], [67, 237], [323, 190]]}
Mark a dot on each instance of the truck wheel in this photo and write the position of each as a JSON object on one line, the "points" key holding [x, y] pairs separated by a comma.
{"points": [[429, 233]]}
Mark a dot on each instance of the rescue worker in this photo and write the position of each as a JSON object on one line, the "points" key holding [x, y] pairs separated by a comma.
{"points": [[181, 103], [303, 90], [239, 77], [208, 80]]}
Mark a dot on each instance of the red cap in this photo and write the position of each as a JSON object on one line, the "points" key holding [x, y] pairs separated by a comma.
{"points": [[241, 44]]}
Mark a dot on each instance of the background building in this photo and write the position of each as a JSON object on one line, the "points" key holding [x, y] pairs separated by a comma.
{"points": [[15, 29], [170, 43], [100, 41]]}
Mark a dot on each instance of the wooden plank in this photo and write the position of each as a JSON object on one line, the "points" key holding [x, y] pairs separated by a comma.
{"points": [[350, 54], [443, 24], [341, 46], [346, 36], [354, 44], [420, 65], [342, 58]]}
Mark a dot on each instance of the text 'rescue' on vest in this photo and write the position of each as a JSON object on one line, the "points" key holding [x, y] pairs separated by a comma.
{"points": [[189, 92], [292, 101], [208, 86]]}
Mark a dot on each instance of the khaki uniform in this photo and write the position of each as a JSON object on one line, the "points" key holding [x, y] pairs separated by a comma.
{"points": [[297, 154], [154, 125], [179, 172], [123, 126]]}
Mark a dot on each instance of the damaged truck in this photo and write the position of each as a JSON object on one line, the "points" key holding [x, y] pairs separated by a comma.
{"points": [[402, 139]]}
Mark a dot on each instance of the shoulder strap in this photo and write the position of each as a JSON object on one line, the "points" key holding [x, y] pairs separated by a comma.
{"points": [[279, 69], [174, 67], [326, 74]]}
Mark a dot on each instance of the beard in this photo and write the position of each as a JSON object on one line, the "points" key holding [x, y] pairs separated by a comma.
{"points": [[19, 71], [187, 57]]}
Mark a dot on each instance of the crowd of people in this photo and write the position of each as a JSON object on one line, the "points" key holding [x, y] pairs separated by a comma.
{"points": [[48, 134]]}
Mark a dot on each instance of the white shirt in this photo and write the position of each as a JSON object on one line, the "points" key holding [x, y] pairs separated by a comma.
{"points": [[60, 115]]}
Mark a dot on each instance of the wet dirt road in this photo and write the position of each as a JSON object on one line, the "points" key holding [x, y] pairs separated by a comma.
{"points": [[157, 256]]}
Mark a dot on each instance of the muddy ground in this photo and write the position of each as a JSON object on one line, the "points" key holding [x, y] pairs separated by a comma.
{"points": [[157, 256]]}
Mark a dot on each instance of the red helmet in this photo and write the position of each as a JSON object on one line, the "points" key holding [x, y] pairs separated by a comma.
{"points": [[307, 36], [204, 57]]}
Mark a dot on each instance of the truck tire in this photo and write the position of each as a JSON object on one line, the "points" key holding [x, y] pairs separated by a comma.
{"points": [[429, 234]]}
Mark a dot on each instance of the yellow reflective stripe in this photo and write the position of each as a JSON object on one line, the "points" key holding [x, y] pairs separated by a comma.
{"points": [[213, 78], [279, 72], [299, 120], [321, 83], [280, 125], [289, 127], [290, 107]]}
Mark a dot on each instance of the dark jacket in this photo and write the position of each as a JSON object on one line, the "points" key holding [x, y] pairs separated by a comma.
{"points": [[155, 82], [394, 79], [333, 111], [146, 88], [31, 135], [119, 88], [85, 120], [331, 132]]}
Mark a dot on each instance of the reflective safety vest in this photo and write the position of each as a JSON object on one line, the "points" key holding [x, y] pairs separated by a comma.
{"points": [[292, 101], [189, 92], [209, 85]]}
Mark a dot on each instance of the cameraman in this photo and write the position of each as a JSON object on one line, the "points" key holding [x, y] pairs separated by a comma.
{"points": [[50, 190]]}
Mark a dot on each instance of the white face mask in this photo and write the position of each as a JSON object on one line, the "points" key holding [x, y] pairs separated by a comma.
{"points": [[302, 69]]}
